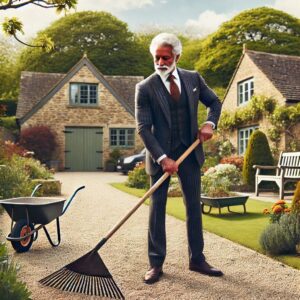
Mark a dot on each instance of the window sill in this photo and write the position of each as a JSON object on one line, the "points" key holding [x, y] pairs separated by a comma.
{"points": [[83, 106]]}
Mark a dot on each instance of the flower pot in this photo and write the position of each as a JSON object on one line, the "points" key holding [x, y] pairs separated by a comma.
{"points": [[220, 202]]}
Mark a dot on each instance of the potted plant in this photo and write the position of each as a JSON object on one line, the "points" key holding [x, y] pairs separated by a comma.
{"points": [[216, 183], [111, 163]]}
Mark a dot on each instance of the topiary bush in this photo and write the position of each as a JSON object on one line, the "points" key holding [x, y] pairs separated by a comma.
{"points": [[41, 140], [296, 200], [138, 178], [281, 237], [10, 287], [257, 153]]}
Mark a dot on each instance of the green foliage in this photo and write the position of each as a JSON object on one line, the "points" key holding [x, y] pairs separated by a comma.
{"points": [[107, 41], [10, 287], [10, 106], [262, 29], [281, 237], [258, 106], [8, 122], [14, 180], [138, 178], [296, 199], [257, 153]]}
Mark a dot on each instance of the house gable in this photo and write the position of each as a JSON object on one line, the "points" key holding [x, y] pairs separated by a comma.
{"points": [[62, 79]]}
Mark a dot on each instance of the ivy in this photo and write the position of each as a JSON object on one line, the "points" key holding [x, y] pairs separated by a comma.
{"points": [[282, 119]]}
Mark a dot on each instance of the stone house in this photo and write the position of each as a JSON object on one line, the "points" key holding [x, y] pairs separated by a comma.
{"points": [[270, 75], [91, 114]]}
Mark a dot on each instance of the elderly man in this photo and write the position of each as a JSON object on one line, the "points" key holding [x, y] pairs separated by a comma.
{"points": [[166, 113]]}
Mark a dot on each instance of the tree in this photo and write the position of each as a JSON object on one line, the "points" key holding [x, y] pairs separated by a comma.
{"points": [[262, 29], [106, 40], [12, 26]]}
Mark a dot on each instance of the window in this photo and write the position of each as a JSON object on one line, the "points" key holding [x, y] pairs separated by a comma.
{"points": [[121, 137], [245, 91], [83, 94], [243, 138]]}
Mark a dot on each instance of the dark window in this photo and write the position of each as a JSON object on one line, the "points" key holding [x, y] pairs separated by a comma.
{"points": [[121, 137]]}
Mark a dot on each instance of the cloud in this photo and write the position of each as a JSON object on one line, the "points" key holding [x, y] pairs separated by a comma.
{"points": [[207, 22], [289, 6], [113, 5]]}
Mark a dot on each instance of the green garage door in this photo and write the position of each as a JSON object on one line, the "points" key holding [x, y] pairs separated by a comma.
{"points": [[83, 149]]}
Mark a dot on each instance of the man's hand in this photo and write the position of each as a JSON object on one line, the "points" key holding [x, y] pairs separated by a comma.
{"points": [[169, 165], [205, 133]]}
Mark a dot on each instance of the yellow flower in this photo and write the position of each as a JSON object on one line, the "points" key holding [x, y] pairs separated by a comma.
{"points": [[266, 211]]}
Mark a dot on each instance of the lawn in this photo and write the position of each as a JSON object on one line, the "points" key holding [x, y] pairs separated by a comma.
{"points": [[239, 228]]}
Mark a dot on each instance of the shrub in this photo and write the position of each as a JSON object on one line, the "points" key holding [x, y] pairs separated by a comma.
{"points": [[41, 140], [281, 237], [9, 122], [10, 106], [174, 187], [14, 181], [10, 148], [296, 200], [257, 153], [236, 160], [138, 178], [10, 287]]}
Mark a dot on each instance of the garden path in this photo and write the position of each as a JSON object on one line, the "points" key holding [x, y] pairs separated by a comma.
{"points": [[248, 275]]}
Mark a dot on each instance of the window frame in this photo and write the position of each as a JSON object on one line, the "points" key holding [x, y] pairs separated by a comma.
{"points": [[241, 91], [79, 85], [245, 140], [126, 137]]}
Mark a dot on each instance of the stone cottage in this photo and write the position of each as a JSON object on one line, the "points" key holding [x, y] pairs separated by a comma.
{"points": [[91, 114], [270, 75]]}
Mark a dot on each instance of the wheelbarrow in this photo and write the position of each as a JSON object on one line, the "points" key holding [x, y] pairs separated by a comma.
{"points": [[27, 212]]}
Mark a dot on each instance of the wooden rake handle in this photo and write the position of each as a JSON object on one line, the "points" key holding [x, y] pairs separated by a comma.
{"points": [[151, 190]]}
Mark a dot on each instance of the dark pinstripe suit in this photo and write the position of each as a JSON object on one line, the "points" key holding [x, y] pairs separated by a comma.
{"points": [[154, 126]]}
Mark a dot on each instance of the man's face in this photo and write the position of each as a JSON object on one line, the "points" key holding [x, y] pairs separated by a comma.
{"points": [[164, 60]]}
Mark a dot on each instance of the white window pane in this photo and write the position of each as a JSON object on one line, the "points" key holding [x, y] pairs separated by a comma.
{"points": [[74, 93]]}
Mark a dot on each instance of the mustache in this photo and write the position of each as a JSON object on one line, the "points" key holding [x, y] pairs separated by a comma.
{"points": [[164, 67]]}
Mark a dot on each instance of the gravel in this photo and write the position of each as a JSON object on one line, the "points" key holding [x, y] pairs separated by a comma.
{"points": [[248, 274]]}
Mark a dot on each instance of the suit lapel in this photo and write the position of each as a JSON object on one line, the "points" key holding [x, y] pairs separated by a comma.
{"points": [[159, 89], [187, 84]]}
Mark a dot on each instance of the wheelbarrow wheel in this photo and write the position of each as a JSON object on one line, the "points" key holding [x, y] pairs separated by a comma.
{"points": [[21, 229]]}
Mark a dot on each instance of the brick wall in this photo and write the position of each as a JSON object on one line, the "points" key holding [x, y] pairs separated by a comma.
{"points": [[57, 113]]}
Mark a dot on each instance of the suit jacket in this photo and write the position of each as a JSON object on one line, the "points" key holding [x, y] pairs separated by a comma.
{"points": [[152, 114]]}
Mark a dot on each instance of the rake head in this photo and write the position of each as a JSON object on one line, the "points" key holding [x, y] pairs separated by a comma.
{"points": [[86, 275]]}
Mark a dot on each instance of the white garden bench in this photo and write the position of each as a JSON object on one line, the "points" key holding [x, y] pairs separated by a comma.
{"points": [[287, 170]]}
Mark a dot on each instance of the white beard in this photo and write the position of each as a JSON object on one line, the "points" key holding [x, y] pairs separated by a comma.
{"points": [[164, 70]]}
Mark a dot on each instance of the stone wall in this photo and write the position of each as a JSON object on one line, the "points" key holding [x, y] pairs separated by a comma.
{"points": [[262, 86]]}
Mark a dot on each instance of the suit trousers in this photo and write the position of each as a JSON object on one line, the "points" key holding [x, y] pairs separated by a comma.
{"points": [[189, 178]]}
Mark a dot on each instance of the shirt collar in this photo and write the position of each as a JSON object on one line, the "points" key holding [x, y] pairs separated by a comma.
{"points": [[164, 77]]}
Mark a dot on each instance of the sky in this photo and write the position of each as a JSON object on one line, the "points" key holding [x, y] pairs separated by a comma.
{"points": [[197, 18]]}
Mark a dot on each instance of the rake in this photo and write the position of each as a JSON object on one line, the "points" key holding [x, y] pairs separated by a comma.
{"points": [[88, 274]]}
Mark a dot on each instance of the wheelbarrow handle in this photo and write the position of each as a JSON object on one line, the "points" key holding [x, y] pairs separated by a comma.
{"points": [[35, 189], [68, 202], [147, 195]]}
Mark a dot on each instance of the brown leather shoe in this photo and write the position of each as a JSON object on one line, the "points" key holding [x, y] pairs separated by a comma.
{"points": [[206, 269], [153, 275]]}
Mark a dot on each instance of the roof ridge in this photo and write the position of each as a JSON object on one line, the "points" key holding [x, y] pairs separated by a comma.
{"points": [[271, 54]]}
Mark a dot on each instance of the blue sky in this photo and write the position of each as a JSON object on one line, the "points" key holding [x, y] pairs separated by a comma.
{"points": [[196, 17]]}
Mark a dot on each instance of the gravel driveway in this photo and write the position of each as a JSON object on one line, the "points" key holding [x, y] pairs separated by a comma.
{"points": [[248, 275]]}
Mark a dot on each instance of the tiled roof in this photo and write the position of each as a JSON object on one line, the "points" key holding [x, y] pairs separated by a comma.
{"points": [[282, 70], [34, 86]]}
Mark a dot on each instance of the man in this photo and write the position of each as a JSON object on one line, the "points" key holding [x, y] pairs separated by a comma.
{"points": [[166, 106]]}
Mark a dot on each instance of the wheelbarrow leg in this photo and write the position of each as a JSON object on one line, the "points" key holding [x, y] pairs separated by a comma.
{"points": [[53, 244]]}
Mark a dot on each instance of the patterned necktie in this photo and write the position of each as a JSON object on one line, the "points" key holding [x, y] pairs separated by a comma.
{"points": [[174, 90]]}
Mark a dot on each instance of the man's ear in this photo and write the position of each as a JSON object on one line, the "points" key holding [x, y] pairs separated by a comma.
{"points": [[177, 57]]}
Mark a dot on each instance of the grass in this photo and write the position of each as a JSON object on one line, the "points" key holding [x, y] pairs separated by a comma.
{"points": [[239, 228]]}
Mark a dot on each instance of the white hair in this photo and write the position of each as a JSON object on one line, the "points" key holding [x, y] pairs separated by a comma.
{"points": [[166, 39]]}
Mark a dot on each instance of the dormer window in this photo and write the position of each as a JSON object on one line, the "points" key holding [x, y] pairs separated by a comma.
{"points": [[84, 94], [245, 91]]}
